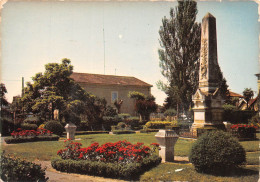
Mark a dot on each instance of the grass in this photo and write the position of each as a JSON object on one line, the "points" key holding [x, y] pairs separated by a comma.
{"points": [[252, 158], [167, 172], [45, 150]]}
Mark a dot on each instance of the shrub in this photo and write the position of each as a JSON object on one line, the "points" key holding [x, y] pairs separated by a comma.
{"points": [[83, 126], [132, 121], [123, 132], [27, 126], [121, 125], [148, 130], [55, 127], [41, 126], [15, 169], [32, 120], [244, 131], [216, 153], [170, 112], [7, 126], [159, 124], [124, 115], [10, 140], [88, 132], [128, 171], [110, 111], [110, 121]]}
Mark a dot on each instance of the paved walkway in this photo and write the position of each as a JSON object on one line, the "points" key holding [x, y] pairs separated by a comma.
{"points": [[56, 176]]}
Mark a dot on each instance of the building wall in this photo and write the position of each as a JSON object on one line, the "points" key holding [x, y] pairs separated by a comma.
{"points": [[105, 91]]}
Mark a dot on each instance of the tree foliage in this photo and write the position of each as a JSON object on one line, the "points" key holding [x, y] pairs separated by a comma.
{"points": [[179, 54], [248, 93], [3, 91], [144, 105], [55, 89]]}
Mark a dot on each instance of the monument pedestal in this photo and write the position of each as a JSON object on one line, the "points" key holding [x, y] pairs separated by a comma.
{"points": [[207, 110]]}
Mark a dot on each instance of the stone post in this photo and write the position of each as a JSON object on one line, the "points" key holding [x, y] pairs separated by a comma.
{"points": [[166, 140], [70, 129]]}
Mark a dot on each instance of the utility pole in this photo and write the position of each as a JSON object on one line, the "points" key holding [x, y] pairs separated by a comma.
{"points": [[22, 86]]}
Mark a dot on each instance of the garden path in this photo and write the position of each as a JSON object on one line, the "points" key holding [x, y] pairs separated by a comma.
{"points": [[56, 176]]}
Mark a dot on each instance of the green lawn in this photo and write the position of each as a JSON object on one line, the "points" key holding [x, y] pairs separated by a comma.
{"points": [[167, 172], [45, 150]]}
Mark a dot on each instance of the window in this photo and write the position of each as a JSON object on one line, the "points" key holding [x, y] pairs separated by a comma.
{"points": [[114, 96]]}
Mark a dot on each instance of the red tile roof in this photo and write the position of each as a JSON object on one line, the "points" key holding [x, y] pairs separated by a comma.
{"points": [[89, 78], [233, 94]]}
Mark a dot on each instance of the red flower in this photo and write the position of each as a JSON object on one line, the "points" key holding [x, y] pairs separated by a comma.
{"points": [[155, 144], [121, 158]]}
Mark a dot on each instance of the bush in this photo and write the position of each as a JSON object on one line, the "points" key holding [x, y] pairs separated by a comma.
{"points": [[83, 126], [132, 121], [55, 127], [123, 132], [170, 112], [32, 120], [217, 153], [111, 170], [8, 126], [15, 169], [27, 126], [243, 131], [110, 111], [110, 121], [88, 132], [41, 126], [124, 115], [148, 130], [235, 116], [10, 140], [159, 124]]}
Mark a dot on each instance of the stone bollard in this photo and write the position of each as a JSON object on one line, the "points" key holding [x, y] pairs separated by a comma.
{"points": [[166, 140], [70, 129], [227, 125]]}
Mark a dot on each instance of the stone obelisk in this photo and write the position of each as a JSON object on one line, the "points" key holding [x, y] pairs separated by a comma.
{"points": [[207, 99]]}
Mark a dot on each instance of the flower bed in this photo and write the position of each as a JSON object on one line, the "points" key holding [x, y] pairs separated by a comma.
{"points": [[120, 159], [244, 131], [21, 136]]}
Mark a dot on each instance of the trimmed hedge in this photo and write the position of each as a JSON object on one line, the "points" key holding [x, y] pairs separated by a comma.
{"points": [[111, 170], [201, 131], [123, 132], [88, 132], [159, 124], [27, 126], [10, 140], [15, 169], [148, 130]]}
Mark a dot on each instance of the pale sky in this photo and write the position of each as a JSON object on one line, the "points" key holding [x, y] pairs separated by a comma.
{"points": [[36, 33]]}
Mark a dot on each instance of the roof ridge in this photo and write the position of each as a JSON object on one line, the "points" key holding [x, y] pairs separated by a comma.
{"points": [[104, 75]]}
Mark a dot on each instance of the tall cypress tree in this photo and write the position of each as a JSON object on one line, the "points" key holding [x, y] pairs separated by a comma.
{"points": [[179, 54]]}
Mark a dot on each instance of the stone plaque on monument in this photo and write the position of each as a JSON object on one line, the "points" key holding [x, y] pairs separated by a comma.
{"points": [[207, 99]]}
